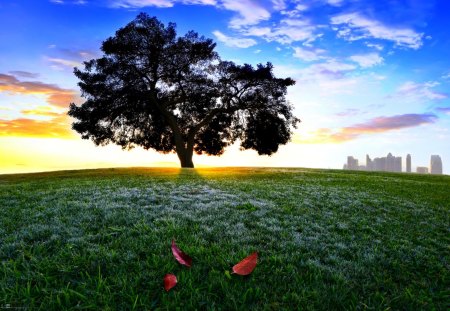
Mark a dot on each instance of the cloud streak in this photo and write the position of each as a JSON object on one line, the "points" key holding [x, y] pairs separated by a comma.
{"points": [[445, 110], [419, 91], [287, 31], [248, 12], [234, 42], [373, 126], [58, 127], [355, 26], [367, 60], [308, 55], [56, 96]]}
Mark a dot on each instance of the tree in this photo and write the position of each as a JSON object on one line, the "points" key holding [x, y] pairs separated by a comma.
{"points": [[174, 94]]}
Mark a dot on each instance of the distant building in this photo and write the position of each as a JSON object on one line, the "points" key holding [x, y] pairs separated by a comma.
{"points": [[422, 170], [379, 164], [408, 163], [352, 163], [436, 165], [369, 163]]}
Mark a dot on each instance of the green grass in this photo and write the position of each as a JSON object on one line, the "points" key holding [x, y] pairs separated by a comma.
{"points": [[327, 240]]}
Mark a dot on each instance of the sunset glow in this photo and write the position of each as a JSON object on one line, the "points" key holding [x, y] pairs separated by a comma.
{"points": [[372, 77]]}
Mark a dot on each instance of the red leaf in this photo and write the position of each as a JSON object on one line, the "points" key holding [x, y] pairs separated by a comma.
{"points": [[246, 266], [170, 281], [181, 257]]}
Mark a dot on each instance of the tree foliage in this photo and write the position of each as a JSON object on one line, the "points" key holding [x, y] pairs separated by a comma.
{"points": [[174, 94]]}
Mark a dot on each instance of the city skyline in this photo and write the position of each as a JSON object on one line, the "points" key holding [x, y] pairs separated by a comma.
{"points": [[392, 163]]}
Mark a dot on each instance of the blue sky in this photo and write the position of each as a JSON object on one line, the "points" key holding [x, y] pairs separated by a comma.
{"points": [[372, 76]]}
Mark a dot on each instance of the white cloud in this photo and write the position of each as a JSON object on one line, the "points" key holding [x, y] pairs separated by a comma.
{"points": [[367, 60], [60, 63], [330, 72], [335, 2], [308, 55], [354, 26], [419, 91], [79, 2], [142, 3], [157, 3], [279, 4], [234, 42], [301, 7], [250, 12], [378, 47], [286, 32]]}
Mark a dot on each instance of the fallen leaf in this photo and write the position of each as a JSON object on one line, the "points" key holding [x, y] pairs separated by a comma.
{"points": [[170, 281], [246, 266], [180, 256]]}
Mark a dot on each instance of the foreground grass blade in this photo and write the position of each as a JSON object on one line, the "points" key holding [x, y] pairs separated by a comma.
{"points": [[180, 256], [170, 281], [246, 266]]}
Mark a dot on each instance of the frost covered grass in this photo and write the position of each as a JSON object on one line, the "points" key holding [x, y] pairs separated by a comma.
{"points": [[327, 240]]}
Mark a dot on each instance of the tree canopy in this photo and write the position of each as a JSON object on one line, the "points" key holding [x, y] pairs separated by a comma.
{"points": [[174, 94]]}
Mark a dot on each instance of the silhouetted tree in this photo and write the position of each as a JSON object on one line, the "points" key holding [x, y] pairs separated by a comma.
{"points": [[173, 94]]}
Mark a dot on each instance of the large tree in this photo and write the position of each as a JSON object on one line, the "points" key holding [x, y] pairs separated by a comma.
{"points": [[174, 94]]}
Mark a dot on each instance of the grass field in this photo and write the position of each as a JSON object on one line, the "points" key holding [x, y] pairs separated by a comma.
{"points": [[327, 240]]}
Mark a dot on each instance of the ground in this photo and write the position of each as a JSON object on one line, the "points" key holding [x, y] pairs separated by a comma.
{"points": [[327, 239]]}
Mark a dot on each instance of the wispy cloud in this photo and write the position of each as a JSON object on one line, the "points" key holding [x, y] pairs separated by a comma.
{"points": [[373, 126], [279, 5], [378, 47], [249, 12], [60, 63], [350, 112], [355, 26], [328, 78], [335, 2], [24, 74], [142, 3], [42, 111], [419, 91], [234, 42], [309, 54], [56, 96], [79, 2], [367, 60], [58, 127], [287, 31], [68, 59], [445, 110]]}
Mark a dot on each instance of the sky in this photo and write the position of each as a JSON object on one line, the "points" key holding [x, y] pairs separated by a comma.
{"points": [[372, 76]]}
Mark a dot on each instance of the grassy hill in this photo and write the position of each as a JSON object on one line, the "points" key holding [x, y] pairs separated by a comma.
{"points": [[100, 239]]}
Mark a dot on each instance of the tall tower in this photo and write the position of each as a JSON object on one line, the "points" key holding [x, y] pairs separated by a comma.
{"points": [[408, 163], [436, 165], [352, 163], [369, 163], [390, 163]]}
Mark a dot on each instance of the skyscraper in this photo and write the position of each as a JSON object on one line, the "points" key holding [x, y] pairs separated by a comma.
{"points": [[408, 163], [369, 163], [352, 163], [436, 165], [393, 164]]}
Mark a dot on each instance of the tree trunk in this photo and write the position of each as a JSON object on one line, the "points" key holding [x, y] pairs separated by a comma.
{"points": [[185, 156]]}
